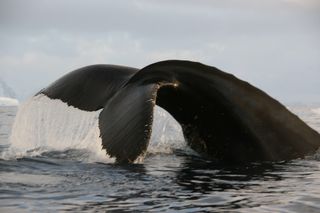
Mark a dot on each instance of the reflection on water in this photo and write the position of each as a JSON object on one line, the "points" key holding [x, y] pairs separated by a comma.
{"points": [[163, 183], [65, 181]]}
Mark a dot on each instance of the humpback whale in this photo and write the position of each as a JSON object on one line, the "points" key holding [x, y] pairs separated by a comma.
{"points": [[222, 117]]}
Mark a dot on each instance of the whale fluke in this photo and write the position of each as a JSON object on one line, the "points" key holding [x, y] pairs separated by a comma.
{"points": [[126, 122], [90, 87], [222, 117]]}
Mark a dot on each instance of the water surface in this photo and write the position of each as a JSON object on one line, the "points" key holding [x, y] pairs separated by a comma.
{"points": [[177, 181]]}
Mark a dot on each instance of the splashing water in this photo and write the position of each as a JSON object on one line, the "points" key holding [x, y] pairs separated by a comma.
{"points": [[71, 180], [43, 125]]}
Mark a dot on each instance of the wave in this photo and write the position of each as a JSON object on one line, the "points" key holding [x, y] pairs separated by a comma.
{"points": [[5, 101], [44, 125], [316, 110]]}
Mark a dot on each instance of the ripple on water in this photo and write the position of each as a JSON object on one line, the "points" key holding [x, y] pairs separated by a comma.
{"points": [[165, 182]]}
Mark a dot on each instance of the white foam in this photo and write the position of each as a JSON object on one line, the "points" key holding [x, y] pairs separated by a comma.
{"points": [[316, 110], [4, 101], [43, 124]]}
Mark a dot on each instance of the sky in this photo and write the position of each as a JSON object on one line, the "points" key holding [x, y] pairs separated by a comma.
{"points": [[273, 44]]}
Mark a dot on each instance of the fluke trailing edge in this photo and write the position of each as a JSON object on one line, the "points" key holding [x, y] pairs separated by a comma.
{"points": [[222, 117]]}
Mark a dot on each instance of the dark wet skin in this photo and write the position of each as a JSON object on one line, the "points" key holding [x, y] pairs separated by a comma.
{"points": [[223, 118]]}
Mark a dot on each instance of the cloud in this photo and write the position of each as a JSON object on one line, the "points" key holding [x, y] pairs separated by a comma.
{"points": [[273, 44]]}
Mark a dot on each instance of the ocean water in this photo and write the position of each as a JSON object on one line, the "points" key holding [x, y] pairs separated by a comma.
{"points": [[51, 160]]}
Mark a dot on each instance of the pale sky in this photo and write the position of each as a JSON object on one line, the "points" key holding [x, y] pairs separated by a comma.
{"points": [[273, 44]]}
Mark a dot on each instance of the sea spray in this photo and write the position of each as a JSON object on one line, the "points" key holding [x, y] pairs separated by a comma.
{"points": [[167, 134], [44, 125], [308, 114], [7, 114]]}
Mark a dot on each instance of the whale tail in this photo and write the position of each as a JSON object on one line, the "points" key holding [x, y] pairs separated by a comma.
{"points": [[222, 117]]}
